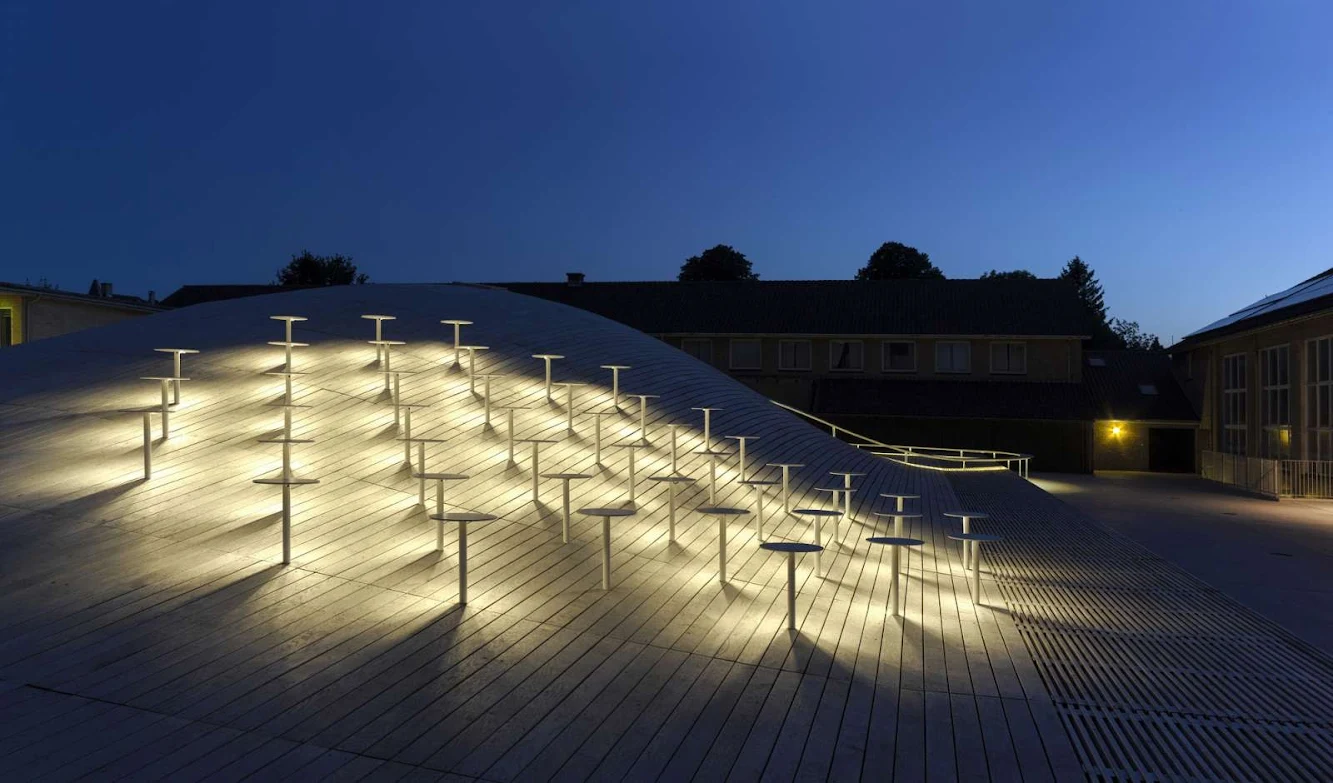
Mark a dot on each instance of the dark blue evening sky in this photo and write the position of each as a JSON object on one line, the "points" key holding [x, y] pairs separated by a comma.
{"points": [[1181, 148]]}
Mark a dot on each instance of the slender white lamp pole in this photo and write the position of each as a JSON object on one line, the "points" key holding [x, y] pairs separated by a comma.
{"points": [[615, 381], [643, 414], [546, 359], [147, 446], [708, 426], [742, 440], [456, 324]]}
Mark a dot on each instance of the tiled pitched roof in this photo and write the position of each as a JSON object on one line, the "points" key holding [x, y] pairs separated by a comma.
{"points": [[120, 301], [949, 307], [952, 399], [1114, 389], [1107, 392]]}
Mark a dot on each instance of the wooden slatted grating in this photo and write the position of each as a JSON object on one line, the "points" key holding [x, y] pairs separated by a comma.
{"points": [[1156, 675], [147, 630]]}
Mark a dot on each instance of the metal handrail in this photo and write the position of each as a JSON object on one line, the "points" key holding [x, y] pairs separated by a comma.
{"points": [[925, 456]]}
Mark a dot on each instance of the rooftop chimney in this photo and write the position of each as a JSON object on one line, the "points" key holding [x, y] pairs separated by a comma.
{"points": [[152, 297], [574, 278], [106, 290]]}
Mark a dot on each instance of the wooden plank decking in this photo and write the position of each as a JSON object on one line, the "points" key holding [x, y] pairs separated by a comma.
{"points": [[148, 631], [1156, 675]]}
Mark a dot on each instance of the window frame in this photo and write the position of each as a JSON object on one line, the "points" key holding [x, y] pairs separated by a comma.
{"points": [[941, 371], [708, 341], [1274, 389], [884, 356], [859, 343], [809, 356], [1312, 390], [1234, 414], [1008, 344], [731, 353]]}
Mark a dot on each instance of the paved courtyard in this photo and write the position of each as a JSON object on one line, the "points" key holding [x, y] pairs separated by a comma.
{"points": [[1274, 557]]}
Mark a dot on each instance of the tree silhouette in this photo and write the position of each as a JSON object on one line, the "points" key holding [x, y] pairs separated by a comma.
{"points": [[1017, 274], [1089, 289], [1090, 292], [1133, 337], [894, 261], [309, 269], [720, 262]]}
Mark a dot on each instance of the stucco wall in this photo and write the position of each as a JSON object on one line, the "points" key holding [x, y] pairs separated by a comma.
{"points": [[48, 317]]}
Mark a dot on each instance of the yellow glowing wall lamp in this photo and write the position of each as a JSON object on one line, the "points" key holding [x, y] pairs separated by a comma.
{"points": [[1116, 429]]}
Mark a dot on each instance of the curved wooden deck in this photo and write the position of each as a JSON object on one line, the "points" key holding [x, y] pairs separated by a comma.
{"points": [[148, 631]]}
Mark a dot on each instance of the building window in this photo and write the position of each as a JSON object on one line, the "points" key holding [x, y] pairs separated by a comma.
{"points": [[1319, 398], [1275, 374], [899, 356], [1233, 404], [953, 356], [794, 355], [1008, 358], [698, 348], [846, 355], [747, 355], [6, 327]]}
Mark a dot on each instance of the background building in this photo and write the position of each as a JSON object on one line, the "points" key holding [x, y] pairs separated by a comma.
{"points": [[29, 313], [1262, 380], [979, 364]]}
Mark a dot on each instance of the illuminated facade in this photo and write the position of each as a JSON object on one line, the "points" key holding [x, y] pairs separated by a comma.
{"points": [[1262, 377], [30, 313]]}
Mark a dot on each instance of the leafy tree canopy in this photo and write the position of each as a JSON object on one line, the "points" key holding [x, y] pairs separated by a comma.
{"points": [[310, 269], [720, 262], [895, 261], [1016, 274], [1133, 337]]}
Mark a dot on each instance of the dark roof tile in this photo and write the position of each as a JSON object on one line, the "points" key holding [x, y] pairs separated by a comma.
{"points": [[948, 307]]}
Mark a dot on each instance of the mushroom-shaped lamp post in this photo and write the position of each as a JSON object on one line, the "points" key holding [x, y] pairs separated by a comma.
{"points": [[547, 358], [176, 369], [742, 440], [786, 467], [672, 480], [791, 549], [457, 324], [631, 446], [615, 381], [386, 364], [472, 364], [606, 514], [758, 486], [536, 473], [712, 473], [708, 427], [597, 432], [565, 478], [569, 403], [643, 414], [722, 512], [379, 332]]}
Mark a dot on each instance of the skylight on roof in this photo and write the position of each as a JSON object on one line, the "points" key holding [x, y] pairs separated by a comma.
{"points": [[1096, 361], [1148, 389]]}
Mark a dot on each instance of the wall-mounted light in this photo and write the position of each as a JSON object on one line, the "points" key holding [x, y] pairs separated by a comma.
{"points": [[1115, 430]]}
